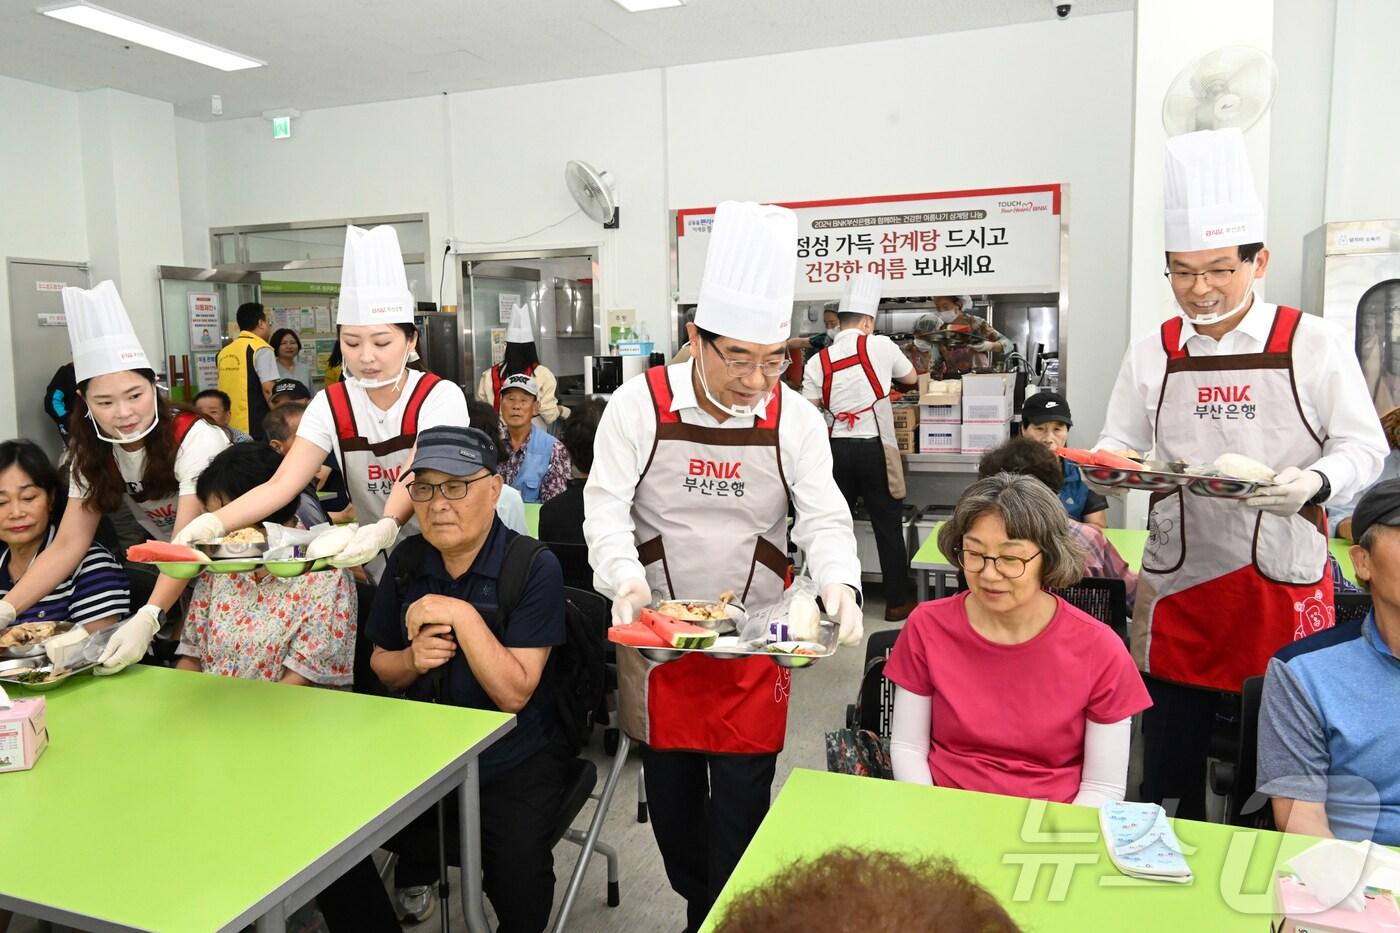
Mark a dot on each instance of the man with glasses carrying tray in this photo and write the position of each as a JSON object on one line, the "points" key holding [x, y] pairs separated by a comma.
{"points": [[1225, 583]]}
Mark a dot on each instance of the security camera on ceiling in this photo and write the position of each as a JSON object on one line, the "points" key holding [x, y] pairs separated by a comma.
{"points": [[1062, 8]]}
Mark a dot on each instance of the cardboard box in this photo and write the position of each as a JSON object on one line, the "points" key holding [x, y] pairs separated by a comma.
{"points": [[940, 438], [24, 733], [906, 439], [986, 409], [978, 438], [1296, 910], [950, 412], [987, 384], [906, 417]]}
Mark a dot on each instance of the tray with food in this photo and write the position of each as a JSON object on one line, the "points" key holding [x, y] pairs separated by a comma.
{"points": [[40, 673], [26, 639], [295, 553], [676, 628], [1231, 476]]}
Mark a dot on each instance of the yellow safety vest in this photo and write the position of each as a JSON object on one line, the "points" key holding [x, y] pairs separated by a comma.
{"points": [[239, 380]]}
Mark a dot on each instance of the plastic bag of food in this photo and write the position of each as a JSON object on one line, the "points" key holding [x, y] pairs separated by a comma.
{"points": [[282, 541], [330, 540], [795, 617]]}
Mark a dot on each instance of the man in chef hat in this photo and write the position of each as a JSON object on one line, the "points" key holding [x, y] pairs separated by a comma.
{"points": [[693, 468], [850, 380], [1225, 583]]}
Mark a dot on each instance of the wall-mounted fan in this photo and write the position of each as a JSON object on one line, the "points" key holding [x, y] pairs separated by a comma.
{"points": [[1229, 87], [593, 190]]}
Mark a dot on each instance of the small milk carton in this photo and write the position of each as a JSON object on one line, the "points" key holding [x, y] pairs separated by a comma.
{"points": [[1297, 911], [24, 733]]}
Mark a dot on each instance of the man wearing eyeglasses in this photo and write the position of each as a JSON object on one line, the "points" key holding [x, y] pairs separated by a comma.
{"points": [[439, 636], [693, 468], [1226, 583]]}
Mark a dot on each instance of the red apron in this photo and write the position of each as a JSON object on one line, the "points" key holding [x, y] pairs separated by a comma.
{"points": [[880, 409], [1223, 587], [710, 514]]}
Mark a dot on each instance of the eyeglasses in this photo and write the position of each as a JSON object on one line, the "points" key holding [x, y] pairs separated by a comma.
{"points": [[1006, 565], [452, 489], [742, 369], [1214, 277]]}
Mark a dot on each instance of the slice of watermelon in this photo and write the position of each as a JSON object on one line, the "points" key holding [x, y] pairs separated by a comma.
{"points": [[676, 633], [163, 552], [1104, 458], [636, 635], [1082, 457]]}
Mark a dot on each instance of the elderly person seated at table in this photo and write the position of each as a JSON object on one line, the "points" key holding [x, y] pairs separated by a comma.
{"points": [[1006, 688], [440, 636], [96, 594], [535, 463], [1328, 743], [1029, 457]]}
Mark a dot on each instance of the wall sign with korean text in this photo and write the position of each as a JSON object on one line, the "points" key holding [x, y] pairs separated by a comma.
{"points": [[988, 241]]}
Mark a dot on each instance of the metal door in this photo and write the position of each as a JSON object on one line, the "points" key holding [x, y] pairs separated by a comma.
{"points": [[39, 340], [492, 288]]}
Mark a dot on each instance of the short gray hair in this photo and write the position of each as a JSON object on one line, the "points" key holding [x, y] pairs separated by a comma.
{"points": [[1030, 512]]}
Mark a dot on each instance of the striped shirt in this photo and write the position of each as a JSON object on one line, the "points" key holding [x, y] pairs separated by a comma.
{"points": [[97, 590]]}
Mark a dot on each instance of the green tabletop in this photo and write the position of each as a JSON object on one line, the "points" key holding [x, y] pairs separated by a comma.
{"points": [[1129, 543], [532, 518], [993, 840], [176, 800]]}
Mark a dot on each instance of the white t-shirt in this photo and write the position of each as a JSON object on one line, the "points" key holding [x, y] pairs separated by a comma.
{"points": [[510, 509], [850, 389], [201, 444]]}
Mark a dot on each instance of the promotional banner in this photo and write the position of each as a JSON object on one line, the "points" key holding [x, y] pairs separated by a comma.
{"points": [[204, 321], [988, 241]]}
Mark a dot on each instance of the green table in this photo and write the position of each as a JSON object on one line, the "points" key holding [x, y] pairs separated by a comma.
{"points": [[994, 840], [181, 801], [532, 518], [1129, 542]]}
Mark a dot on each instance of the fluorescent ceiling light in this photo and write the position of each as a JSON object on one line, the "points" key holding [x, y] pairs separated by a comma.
{"points": [[641, 6], [153, 37]]}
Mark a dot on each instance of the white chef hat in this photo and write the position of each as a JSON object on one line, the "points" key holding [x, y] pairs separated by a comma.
{"points": [[750, 273], [100, 332], [1209, 192], [373, 286], [520, 330], [862, 295]]}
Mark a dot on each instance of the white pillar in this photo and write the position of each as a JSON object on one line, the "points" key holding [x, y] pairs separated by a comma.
{"points": [[132, 192]]}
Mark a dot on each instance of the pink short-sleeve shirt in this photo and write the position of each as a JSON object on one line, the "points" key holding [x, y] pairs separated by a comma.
{"points": [[1009, 719]]}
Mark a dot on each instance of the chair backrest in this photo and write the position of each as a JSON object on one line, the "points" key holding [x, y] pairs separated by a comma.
{"points": [[573, 560], [1246, 807], [1104, 598], [579, 782], [1352, 607], [877, 693]]}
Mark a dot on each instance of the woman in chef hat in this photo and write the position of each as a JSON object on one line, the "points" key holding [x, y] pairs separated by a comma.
{"points": [[521, 356], [128, 447], [370, 420]]}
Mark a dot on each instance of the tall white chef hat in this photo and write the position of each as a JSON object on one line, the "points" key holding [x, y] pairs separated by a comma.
{"points": [[862, 295], [520, 330], [101, 333], [1209, 192], [750, 273], [373, 286]]}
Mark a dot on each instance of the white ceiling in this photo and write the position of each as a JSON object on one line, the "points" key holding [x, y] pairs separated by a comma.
{"points": [[328, 53]]}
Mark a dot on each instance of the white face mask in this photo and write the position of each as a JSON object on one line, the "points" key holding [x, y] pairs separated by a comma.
{"points": [[131, 438], [947, 317], [831, 333], [364, 384], [734, 412], [1205, 320]]}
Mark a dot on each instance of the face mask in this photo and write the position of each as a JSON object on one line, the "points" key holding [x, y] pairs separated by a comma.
{"points": [[831, 333], [1208, 319], [732, 411], [947, 317], [131, 438], [363, 384]]}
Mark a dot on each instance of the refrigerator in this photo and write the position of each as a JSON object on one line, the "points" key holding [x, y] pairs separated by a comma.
{"points": [[1351, 271]]}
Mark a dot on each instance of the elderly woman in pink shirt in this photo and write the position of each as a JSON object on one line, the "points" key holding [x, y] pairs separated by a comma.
{"points": [[1006, 688]]}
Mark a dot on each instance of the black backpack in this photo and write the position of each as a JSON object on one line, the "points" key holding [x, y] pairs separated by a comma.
{"points": [[577, 667]]}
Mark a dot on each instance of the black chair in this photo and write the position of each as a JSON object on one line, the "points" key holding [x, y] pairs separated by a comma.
{"points": [[876, 692], [1352, 607], [1235, 780], [573, 560], [1104, 598]]}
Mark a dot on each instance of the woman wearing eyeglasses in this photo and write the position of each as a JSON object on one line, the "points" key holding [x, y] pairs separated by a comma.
{"points": [[1006, 688]]}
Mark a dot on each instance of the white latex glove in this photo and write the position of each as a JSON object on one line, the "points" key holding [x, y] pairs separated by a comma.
{"points": [[1291, 491], [986, 346], [839, 601], [202, 529], [632, 597], [367, 541], [129, 642], [7, 614]]}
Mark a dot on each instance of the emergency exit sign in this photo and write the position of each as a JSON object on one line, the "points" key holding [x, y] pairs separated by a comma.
{"points": [[281, 127]]}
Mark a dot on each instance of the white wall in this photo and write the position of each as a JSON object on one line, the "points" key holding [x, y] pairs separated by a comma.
{"points": [[193, 156], [1362, 179], [1041, 102], [41, 203]]}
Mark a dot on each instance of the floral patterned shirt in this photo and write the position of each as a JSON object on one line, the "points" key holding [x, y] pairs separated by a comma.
{"points": [[252, 625]]}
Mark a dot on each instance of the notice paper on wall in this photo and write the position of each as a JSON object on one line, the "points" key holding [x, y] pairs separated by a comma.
{"points": [[206, 370], [204, 321], [498, 345], [323, 355], [323, 321], [506, 301]]}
